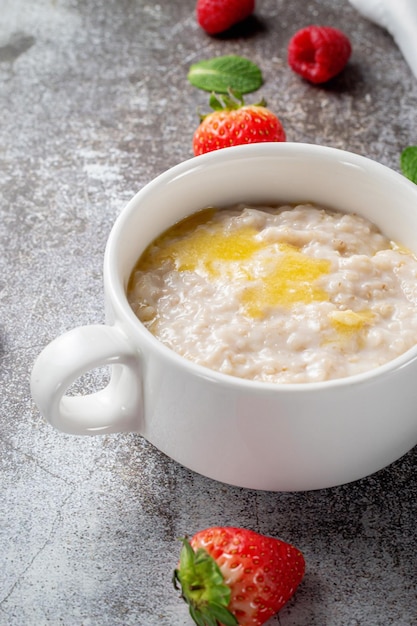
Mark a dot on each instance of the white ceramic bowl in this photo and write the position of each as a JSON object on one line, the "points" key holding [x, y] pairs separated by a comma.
{"points": [[246, 433]]}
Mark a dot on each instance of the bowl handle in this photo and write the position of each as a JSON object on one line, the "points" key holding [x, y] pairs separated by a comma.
{"points": [[116, 408]]}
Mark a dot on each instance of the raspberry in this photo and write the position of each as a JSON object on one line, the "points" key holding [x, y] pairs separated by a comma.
{"points": [[318, 53], [216, 16]]}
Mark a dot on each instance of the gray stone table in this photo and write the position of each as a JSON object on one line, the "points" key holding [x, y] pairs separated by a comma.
{"points": [[95, 103]]}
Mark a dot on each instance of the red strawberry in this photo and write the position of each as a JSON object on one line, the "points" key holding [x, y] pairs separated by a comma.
{"points": [[216, 16], [318, 53], [233, 123], [230, 576]]}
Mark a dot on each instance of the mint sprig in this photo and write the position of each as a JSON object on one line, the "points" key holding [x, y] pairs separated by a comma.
{"points": [[225, 73], [408, 162]]}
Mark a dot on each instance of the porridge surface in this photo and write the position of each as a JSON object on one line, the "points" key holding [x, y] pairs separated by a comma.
{"points": [[286, 294]]}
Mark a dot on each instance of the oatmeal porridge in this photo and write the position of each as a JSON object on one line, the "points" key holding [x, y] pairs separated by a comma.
{"points": [[288, 294]]}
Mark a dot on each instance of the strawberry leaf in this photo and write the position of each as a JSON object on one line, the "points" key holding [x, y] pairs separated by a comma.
{"points": [[221, 74], [203, 588], [216, 103], [230, 101], [408, 162], [197, 617], [222, 615]]}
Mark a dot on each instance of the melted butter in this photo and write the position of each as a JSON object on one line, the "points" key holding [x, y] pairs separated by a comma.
{"points": [[211, 249], [349, 321], [168, 246], [208, 249], [292, 280], [202, 244], [349, 326]]}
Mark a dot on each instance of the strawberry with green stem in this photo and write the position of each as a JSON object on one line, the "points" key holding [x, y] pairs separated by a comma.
{"points": [[232, 576], [233, 123]]}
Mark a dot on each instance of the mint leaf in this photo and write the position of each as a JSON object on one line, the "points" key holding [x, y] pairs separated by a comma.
{"points": [[222, 74], [408, 162]]}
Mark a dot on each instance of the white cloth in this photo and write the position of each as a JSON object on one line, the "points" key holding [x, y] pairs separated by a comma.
{"points": [[399, 18]]}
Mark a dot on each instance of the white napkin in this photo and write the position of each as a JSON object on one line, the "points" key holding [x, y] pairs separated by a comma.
{"points": [[399, 18]]}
